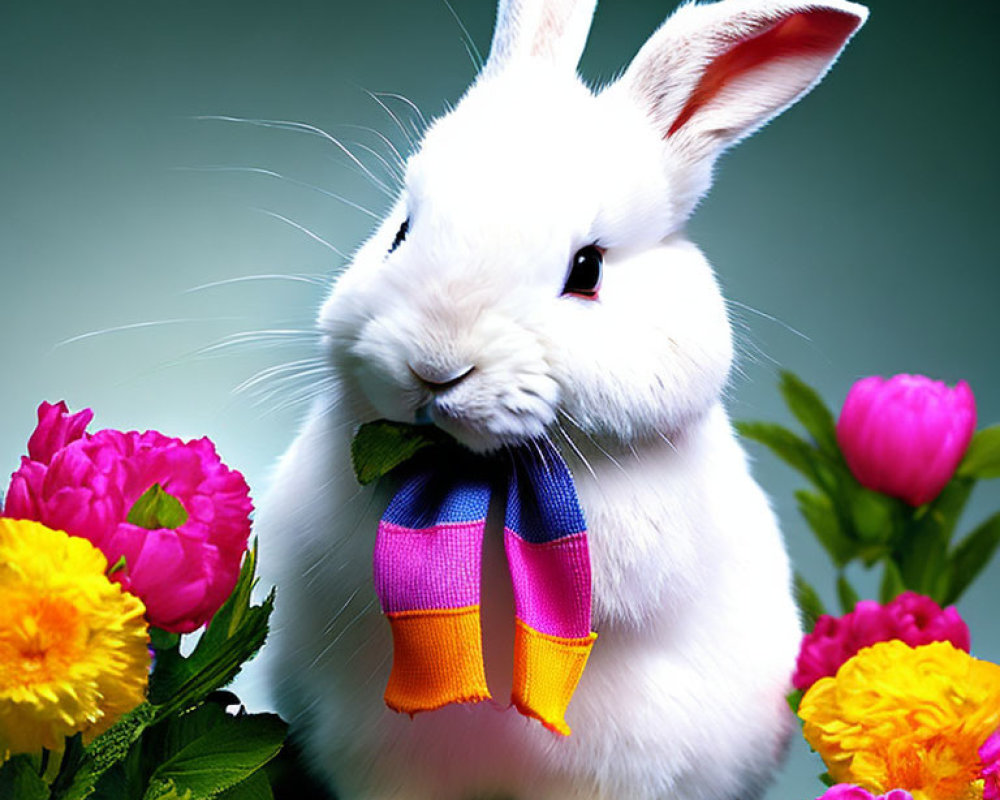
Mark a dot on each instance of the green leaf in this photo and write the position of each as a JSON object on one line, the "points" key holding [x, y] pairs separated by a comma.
{"points": [[126, 779], [970, 556], [982, 459], [794, 699], [381, 446], [809, 409], [810, 606], [819, 513], [947, 507], [846, 594], [873, 515], [798, 454], [921, 555], [892, 582], [207, 751], [160, 639], [235, 634], [157, 509], [103, 753], [169, 792], [256, 787], [19, 780]]}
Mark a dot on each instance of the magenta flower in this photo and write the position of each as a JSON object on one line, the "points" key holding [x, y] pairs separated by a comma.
{"points": [[905, 436], [989, 754], [845, 791], [911, 618], [172, 510]]}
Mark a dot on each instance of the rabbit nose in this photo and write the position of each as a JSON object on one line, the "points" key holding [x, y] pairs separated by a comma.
{"points": [[437, 379]]}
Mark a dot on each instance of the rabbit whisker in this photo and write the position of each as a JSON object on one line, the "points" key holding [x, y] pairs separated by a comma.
{"points": [[579, 454], [768, 317], [314, 279], [593, 440], [304, 127], [328, 628], [306, 394], [287, 388], [139, 325], [293, 367], [413, 107], [266, 337], [397, 157], [356, 619], [294, 181], [392, 170], [315, 237], [470, 44], [666, 439], [392, 115], [311, 573]]}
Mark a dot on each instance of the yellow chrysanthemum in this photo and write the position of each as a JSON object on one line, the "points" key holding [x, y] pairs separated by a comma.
{"points": [[900, 717], [73, 645]]}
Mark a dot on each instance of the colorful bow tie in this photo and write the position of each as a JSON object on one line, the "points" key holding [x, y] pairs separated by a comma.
{"points": [[428, 554]]}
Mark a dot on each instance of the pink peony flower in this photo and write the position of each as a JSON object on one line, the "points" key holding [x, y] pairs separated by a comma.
{"points": [[989, 754], [911, 617], [905, 436], [182, 553], [56, 428], [845, 791]]}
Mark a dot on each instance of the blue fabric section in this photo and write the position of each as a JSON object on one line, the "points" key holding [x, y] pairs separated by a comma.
{"points": [[542, 505], [440, 490]]}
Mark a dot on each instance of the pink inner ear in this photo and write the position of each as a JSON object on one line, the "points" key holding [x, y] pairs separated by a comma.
{"points": [[803, 34]]}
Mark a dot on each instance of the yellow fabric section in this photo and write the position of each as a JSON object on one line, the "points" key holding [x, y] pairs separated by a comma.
{"points": [[437, 659], [546, 672]]}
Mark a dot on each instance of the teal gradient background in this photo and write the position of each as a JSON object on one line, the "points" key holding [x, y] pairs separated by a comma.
{"points": [[857, 233]]}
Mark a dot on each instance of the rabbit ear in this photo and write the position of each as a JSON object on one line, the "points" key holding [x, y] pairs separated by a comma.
{"points": [[713, 74], [555, 30]]}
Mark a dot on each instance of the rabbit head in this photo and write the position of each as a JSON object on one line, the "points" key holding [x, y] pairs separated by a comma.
{"points": [[534, 265]]}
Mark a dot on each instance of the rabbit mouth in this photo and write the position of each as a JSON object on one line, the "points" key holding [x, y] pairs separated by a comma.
{"points": [[485, 426]]}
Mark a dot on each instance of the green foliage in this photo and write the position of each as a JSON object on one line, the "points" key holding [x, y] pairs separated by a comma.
{"points": [[256, 787], [207, 751], [846, 594], [982, 459], [810, 606], [795, 452], [234, 635], [106, 751], [855, 524], [971, 555], [381, 446], [157, 509], [181, 744], [821, 517], [19, 778], [892, 584], [809, 409]]}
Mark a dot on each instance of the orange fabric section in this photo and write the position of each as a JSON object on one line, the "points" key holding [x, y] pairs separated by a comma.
{"points": [[437, 659], [546, 672]]}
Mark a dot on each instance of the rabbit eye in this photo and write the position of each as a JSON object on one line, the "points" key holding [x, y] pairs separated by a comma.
{"points": [[586, 268], [400, 234]]}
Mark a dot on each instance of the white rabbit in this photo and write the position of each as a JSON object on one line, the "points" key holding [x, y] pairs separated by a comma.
{"points": [[464, 307]]}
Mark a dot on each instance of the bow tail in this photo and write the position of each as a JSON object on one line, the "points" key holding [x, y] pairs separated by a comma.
{"points": [[546, 543], [427, 577]]}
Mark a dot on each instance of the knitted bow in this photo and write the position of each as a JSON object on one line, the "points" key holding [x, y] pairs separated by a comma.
{"points": [[427, 574]]}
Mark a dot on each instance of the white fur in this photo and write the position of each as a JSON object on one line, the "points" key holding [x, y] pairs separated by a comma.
{"points": [[684, 694]]}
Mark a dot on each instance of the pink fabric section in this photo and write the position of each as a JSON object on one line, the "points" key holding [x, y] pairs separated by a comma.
{"points": [[428, 568], [551, 584]]}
